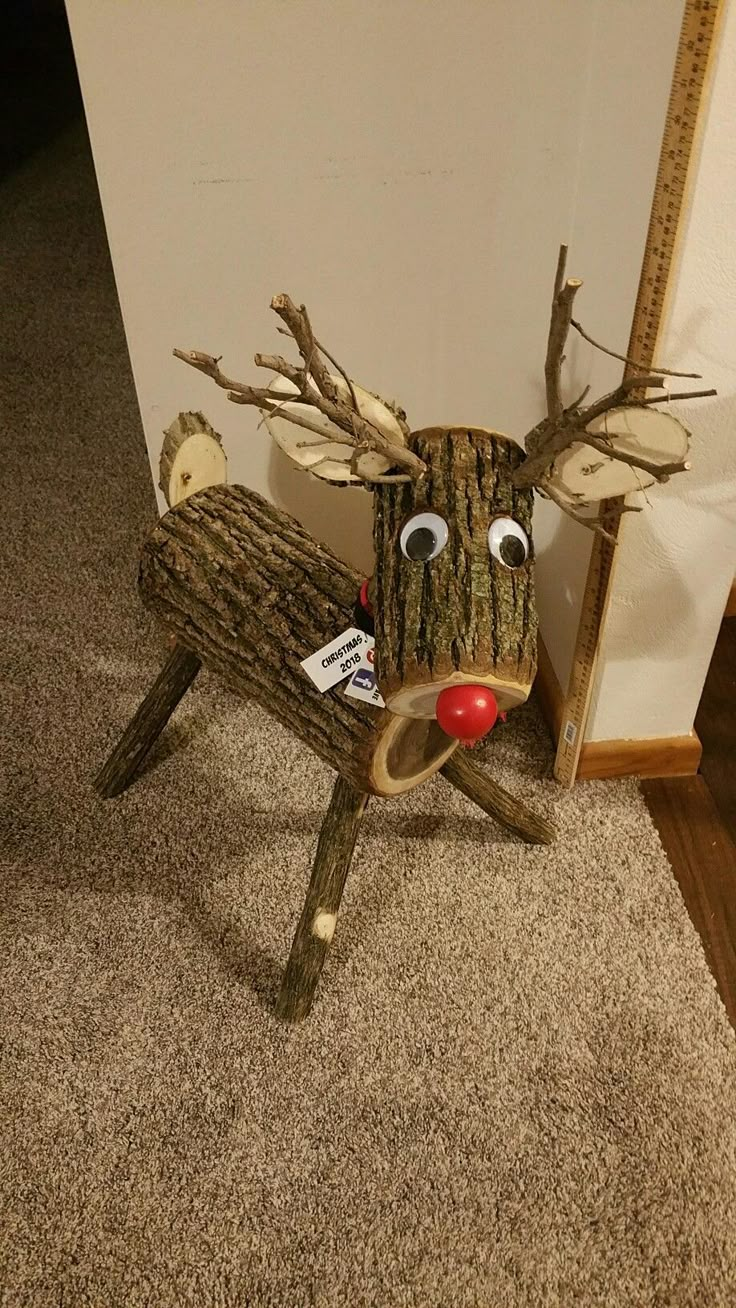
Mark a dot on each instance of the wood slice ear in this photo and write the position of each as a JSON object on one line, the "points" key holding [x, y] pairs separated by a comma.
{"points": [[315, 451], [192, 458], [585, 474]]}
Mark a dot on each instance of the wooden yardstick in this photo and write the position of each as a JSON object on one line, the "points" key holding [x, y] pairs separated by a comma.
{"points": [[695, 48]]}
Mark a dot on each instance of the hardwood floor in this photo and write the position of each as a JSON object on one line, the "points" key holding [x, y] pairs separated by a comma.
{"points": [[696, 820], [703, 858], [716, 725]]}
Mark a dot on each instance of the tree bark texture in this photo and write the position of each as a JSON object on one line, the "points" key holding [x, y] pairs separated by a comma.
{"points": [[170, 686], [462, 615], [246, 588], [466, 776], [319, 917]]}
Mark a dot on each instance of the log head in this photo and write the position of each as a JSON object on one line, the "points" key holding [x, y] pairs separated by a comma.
{"points": [[453, 589]]}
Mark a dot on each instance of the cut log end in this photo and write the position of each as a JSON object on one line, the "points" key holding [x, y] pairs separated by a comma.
{"points": [[641, 441], [421, 697], [320, 448], [192, 458], [408, 752]]}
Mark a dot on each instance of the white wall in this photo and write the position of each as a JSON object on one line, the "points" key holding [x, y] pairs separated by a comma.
{"points": [[676, 564], [406, 169]]}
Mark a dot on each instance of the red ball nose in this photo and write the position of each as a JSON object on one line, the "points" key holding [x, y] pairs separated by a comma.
{"points": [[466, 712]]}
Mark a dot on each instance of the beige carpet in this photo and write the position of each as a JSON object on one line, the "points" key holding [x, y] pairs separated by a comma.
{"points": [[518, 1084]]}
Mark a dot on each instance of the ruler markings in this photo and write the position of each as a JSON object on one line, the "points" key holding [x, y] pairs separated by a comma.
{"points": [[695, 46]]}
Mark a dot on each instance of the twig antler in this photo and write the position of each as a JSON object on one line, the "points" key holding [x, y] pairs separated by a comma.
{"points": [[559, 326], [317, 388], [564, 427], [624, 358]]}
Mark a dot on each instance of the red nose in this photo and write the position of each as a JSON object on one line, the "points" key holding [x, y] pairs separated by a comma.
{"points": [[466, 712]]}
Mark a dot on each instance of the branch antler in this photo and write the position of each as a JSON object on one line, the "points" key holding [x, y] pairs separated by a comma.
{"points": [[559, 326], [317, 388], [564, 427]]}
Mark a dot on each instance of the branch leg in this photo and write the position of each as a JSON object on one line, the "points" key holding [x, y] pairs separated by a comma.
{"points": [[317, 923], [171, 684], [466, 776]]}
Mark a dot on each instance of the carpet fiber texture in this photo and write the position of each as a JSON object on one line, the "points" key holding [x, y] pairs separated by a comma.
{"points": [[517, 1086]]}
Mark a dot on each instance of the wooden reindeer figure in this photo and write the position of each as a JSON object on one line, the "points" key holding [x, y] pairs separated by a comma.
{"points": [[246, 591]]}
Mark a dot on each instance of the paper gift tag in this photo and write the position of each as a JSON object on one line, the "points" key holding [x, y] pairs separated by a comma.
{"points": [[362, 684], [336, 661]]}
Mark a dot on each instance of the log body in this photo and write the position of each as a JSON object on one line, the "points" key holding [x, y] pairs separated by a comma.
{"points": [[251, 593], [462, 616]]}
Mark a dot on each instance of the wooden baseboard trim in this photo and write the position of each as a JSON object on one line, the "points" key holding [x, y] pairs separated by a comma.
{"points": [[670, 756]]}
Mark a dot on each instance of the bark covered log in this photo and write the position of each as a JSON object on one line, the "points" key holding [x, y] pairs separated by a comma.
{"points": [[466, 776], [319, 917], [246, 588], [462, 615], [170, 686]]}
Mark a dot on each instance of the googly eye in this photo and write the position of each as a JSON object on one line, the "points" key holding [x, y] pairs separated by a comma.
{"points": [[508, 542], [423, 537]]}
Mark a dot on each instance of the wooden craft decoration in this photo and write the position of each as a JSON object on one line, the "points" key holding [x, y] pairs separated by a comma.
{"points": [[248, 592]]}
